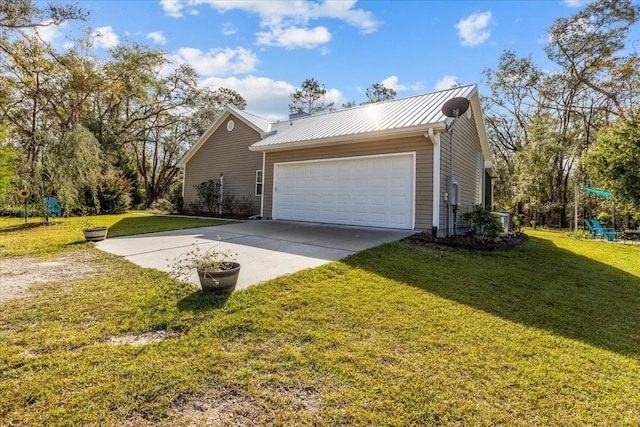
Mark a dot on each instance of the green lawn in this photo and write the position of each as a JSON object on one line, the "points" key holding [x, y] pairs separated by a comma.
{"points": [[546, 334]]}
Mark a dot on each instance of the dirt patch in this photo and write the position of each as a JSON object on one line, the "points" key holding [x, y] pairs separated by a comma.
{"points": [[235, 407], [142, 339], [17, 275]]}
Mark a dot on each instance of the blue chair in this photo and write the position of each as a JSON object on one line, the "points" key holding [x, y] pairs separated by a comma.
{"points": [[598, 231], [53, 207]]}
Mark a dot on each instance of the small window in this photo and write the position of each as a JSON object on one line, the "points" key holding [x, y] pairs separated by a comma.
{"points": [[258, 183]]}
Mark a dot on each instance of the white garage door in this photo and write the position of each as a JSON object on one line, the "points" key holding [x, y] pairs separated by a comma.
{"points": [[375, 191]]}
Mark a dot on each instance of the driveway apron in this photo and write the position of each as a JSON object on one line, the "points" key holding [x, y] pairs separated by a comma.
{"points": [[265, 249]]}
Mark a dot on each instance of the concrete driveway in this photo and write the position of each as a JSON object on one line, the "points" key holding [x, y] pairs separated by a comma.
{"points": [[266, 249]]}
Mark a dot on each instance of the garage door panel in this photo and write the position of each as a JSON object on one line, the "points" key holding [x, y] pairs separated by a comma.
{"points": [[369, 191]]}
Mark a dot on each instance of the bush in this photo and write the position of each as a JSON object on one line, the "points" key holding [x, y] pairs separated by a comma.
{"points": [[175, 197], [113, 192], [162, 205], [604, 217], [485, 224], [229, 205], [209, 194], [244, 207]]}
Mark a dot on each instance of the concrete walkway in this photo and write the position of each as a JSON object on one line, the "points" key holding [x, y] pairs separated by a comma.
{"points": [[266, 249]]}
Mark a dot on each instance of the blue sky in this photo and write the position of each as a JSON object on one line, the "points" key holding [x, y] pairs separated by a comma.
{"points": [[265, 49]]}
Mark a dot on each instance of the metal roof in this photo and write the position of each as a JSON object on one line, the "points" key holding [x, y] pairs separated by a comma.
{"points": [[261, 123], [395, 115]]}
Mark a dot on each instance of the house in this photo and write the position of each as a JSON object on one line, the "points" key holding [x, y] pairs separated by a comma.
{"points": [[390, 164]]}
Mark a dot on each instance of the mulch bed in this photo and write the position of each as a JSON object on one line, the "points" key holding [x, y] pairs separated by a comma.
{"points": [[468, 242]]}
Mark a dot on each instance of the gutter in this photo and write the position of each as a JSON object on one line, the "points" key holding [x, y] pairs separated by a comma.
{"points": [[350, 139]]}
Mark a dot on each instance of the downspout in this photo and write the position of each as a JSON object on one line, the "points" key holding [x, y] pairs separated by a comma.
{"points": [[264, 157], [435, 140]]}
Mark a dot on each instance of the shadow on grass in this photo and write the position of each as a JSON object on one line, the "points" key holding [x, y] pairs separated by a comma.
{"points": [[537, 285], [198, 302], [152, 224], [28, 226]]}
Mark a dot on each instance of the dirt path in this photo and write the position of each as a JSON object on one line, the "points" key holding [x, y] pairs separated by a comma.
{"points": [[18, 274]]}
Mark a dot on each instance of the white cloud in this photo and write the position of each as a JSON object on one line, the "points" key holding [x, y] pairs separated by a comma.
{"points": [[228, 29], [105, 37], [218, 61], [157, 37], [576, 3], [335, 96], [447, 82], [292, 37], [172, 8], [393, 82], [50, 32], [474, 30], [265, 97], [286, 23]]}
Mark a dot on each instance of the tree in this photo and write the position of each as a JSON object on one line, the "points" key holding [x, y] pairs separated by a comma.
{"points": [[613, 161], [588, 46], [509, 107], [20, 14], [310, 98], [206, 105], [8, 158], [542, 122], [377, 92], [70, 167]]}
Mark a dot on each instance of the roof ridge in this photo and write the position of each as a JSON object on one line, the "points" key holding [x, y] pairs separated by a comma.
{"points": [[325, 113]]}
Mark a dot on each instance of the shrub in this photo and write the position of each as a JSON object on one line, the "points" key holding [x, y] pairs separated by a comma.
{"points": [[604, 217], [175, 197], [209, 194], [113, 192], [229, 205], [162, 205], [485, 224], [244, 207]]}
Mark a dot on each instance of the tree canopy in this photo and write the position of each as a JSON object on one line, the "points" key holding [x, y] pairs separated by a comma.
{"points": [[93, 131], [377, 92], [613, 161], [543, 122], [310, 98]]}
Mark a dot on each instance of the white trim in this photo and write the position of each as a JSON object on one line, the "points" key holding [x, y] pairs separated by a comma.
{"points": [[184, 180], [337, 159], [264, 155], [217, 122], [435, 208], [261, 182]]}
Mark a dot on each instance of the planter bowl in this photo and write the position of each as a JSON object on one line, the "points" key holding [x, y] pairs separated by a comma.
{"points": [[219, 281], [95, 234]]}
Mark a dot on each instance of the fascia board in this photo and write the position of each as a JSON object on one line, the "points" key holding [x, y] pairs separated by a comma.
{"points": [[351, 139]]}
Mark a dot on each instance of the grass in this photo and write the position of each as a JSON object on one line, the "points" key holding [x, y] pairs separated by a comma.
{"points": [[547, 334], [38, 238]]}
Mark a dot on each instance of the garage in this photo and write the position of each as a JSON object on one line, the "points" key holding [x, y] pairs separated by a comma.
{"points": [[372, 191]]}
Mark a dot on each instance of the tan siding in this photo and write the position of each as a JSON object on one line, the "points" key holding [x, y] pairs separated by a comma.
{"points": [[226, 152], [466, 167], [418, 144]]}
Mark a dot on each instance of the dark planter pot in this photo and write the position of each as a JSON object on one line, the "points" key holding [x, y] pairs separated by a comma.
{"points": [[95, 234], [219, 281]]}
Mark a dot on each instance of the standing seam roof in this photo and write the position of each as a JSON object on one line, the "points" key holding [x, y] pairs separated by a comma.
{"points": [[401, 113]]}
